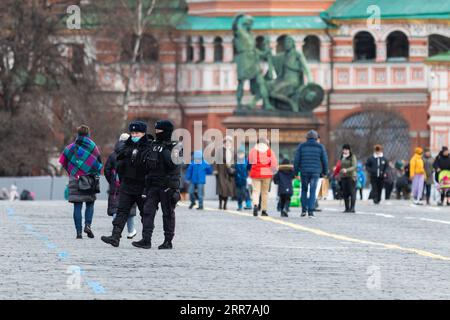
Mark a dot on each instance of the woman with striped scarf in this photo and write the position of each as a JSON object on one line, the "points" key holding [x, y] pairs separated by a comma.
{"points": [[81, 158]]}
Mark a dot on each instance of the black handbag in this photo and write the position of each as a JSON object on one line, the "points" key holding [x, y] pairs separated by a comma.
{"points": [[90, 183]]}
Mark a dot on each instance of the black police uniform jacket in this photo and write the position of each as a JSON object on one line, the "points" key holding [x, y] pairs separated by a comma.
{"points": [[131, 165], [161, 170]]}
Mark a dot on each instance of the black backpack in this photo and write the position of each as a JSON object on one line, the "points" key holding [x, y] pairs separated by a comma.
{"points": [[26, 195]]}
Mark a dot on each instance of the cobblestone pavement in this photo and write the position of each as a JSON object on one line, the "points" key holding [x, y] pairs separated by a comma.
{"points": [[392, 251]]}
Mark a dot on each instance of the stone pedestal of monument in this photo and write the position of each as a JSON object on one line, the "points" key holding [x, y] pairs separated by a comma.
{"points": [[292, 126]]}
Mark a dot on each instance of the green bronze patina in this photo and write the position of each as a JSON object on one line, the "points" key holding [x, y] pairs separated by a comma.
{"points": [[247, 58], [286, 92]]}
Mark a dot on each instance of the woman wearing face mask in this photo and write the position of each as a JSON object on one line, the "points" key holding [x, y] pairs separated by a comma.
{"points": [[348, 177]]}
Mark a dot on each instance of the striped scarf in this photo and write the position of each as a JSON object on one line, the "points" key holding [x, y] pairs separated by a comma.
{"points": [[81, 158]]}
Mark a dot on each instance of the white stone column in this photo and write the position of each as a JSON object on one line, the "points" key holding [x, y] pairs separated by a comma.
{"points": [[325, 50], [273, 43], [208, 43], [299, 40], [227, 43], [182, 43], [196, 48], [381, 51]]}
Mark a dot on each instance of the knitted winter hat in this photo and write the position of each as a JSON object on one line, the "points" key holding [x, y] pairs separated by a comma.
{"points": [[312, 135]]}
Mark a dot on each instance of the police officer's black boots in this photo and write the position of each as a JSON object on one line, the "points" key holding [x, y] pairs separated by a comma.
{"points": [[144, 244], [111, 240], [114, 239], [167, 244]]}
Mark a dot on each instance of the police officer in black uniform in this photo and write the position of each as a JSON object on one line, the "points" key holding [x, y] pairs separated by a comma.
{"points": [[162, 185], [131, 169]]}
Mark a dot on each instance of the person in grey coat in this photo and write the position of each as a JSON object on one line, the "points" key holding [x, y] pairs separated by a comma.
{"points": [[428, 162]]}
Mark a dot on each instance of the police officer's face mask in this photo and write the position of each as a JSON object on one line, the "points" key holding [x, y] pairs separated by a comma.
{"points": [[163, 135]]}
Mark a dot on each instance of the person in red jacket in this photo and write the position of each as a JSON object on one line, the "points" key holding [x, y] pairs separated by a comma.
{"points": [[264, 164]]}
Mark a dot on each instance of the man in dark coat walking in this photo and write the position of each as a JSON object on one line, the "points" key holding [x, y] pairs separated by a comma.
{"points": [[311, 161], [376, 166]]}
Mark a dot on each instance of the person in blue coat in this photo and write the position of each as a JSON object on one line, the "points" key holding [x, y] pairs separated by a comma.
{"points": [[360, 179], [311, 161], [196, 177]]}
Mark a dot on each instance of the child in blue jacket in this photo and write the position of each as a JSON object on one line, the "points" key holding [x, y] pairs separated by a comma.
{"points": [[196, 177], [360, 179]]}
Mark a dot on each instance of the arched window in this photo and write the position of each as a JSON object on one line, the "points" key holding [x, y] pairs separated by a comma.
{"points": [[280, 43], [364, 47], [148, 49], [397, 46], [218, 49], [365, 129], [311, 48], [201, 47], [260, 42], [189, 50], [438, 44]]}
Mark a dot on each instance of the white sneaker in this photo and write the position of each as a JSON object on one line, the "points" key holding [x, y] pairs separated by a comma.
{"points": [[132, 234]]}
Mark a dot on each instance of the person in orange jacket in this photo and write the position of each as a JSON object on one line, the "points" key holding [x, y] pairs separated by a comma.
{"points": [[417, 175]]}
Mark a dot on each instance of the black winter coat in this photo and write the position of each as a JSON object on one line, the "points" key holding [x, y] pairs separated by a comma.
{"points": [[114, 183], [442, 162], [165, 174], [376, 167], [130, 165], [283, 178]]}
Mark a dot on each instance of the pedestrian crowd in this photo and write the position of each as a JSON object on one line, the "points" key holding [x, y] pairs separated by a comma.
{"points": [[143, 175]]}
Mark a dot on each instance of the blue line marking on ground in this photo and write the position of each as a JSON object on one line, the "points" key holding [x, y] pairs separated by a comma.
{"points": [[63, 255], [96, 287]]}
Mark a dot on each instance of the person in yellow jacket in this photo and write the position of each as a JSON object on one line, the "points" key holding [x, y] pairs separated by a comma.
{"points": [[417, 175]]}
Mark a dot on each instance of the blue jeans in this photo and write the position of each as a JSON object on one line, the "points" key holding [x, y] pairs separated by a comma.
{"points": [[200, 189], [88, 215], [130, 223], [309, 180]]}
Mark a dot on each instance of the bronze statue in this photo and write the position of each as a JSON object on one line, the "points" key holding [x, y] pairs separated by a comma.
{"points": [[288, 90], [247, 58]]}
